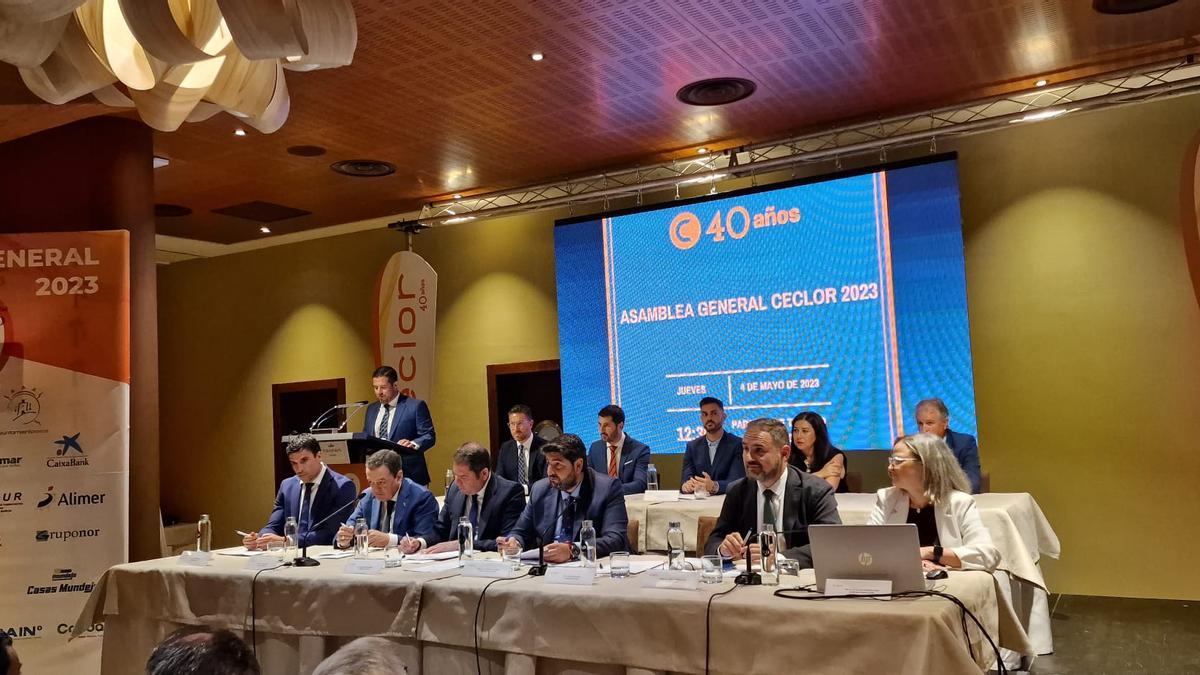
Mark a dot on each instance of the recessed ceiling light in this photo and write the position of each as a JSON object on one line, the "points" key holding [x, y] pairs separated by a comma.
{"points": [[537, 56], [1040, 83], [701, 151], [264, 229], [457, 196], [239, 132]]}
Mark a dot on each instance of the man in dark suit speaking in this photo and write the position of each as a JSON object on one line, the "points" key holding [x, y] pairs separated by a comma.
{"points": [[492, 504], [619, 455], [520, 459], [570, 494], [772, 493], [714, 460], [402, 420], [310, 497]]}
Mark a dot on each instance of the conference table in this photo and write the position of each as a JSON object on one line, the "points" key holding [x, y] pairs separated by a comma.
{"points": [[448, 623], [1016, 523]]}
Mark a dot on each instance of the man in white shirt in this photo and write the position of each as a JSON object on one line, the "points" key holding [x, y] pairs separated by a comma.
{"points": [[772, 493]]}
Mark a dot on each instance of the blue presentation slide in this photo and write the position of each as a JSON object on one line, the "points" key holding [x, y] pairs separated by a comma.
{"points": [[844, 296]]}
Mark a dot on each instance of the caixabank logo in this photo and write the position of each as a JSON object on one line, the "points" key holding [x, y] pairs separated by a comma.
{"points": [[62, 581], [69, 453]]}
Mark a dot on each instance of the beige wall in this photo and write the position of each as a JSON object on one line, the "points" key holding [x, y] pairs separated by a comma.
{"points": [[1084, 328]]}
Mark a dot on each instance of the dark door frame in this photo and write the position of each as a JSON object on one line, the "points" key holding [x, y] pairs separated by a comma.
{"points": [[281, 464], [493, 370]]}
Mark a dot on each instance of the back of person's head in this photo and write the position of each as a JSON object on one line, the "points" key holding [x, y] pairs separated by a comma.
{"points": [[199, 651], [7, 652], [365, 656]]}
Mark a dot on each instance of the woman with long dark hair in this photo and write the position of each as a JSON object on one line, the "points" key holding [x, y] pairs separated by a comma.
{"points": [[813, 453]]}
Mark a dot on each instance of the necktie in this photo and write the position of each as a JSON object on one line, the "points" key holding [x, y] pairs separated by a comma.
{"points": [[522, 465], [305, 508], [567, 531], [473, 514], [768, 508], [612, 460], [383, 421], [385, 520]]}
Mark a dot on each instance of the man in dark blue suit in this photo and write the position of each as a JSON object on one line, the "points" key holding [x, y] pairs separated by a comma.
{"points": [[713, 460], [933, 417], [311, 496], [402, 420], [570, 494], [398, 511], [520, 459], [491, 503], [618, 455]]}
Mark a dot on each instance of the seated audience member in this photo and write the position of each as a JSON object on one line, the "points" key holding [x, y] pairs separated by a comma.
{"points": [[365, 656], [617, 454], [493, 504], [398, 511], [930, 491], [311, 496], [10, 663], [200, 651], [773, 493], [813, 453], [520, 459], [570, 494], [714, 460], [933, 417]]}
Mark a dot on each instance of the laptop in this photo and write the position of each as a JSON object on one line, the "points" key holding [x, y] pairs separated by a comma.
{"points": [[868, 552]]}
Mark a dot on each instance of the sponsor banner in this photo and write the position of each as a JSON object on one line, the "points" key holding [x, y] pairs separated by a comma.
{"points": [[64, 436], [406, 311]]}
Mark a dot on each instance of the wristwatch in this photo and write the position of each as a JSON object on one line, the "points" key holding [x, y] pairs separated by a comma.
{"points": [[937, 554], [574, 551]]}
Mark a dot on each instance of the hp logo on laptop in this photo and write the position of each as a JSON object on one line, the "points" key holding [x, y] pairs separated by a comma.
{"points": [[865, 559]]}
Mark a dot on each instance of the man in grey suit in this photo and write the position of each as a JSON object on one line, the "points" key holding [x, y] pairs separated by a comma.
{"points": [[772, 493], [933, 417], [617, 454], [570, 494], [714, 460], [491, 503]]}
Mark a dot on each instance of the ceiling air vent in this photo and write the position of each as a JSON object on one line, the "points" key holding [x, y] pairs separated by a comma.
{"points": [[363, 168], [715, 91]]}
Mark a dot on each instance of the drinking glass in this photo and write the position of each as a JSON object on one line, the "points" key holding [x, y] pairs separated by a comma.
{"points": [[711, 567], [512, 553], [392, 555], [618, 562], [277, 548]]}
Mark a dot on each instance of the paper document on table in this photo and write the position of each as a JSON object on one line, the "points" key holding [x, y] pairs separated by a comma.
{"points": [[335, 555], [435, 566], [239, 551], [635, 566], [429, 557]]}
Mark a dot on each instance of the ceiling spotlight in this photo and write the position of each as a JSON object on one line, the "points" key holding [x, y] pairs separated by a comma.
{"points": [[537, 56], [1040, 83], [239, 132], [457, 196], [264, 229], [701, 151]]}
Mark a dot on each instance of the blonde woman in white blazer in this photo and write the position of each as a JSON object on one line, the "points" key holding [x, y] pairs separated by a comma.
{"points": [[930, 490]]}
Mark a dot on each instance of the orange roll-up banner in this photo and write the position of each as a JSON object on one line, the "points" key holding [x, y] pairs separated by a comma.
{"points": [[64, 437]]}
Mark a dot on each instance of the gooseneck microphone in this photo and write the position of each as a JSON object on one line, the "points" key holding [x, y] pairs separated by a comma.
{"points": [[303, 560], [340, 406]]}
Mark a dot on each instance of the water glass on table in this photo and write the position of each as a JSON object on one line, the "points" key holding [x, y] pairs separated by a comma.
{"points": [[511, 551], [711, 567], [277, 548], [392, 555], [618, 564]]}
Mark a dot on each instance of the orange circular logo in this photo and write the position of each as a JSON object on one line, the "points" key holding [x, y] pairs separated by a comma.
{"points": [[685, 230]]}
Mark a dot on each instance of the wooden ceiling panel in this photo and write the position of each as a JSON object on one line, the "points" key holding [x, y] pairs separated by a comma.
{"points": [[447, 92]]}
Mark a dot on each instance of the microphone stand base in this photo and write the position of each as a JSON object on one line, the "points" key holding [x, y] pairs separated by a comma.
{"points": [[303, 560], [748, 579], [537, 570]]}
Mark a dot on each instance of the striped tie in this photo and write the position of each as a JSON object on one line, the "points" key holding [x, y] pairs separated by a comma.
{"points": [[522, 466], [612, 460], [383, 421]]}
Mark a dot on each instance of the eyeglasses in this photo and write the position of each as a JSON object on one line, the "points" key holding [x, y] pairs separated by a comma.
{"points": [[897, 461]]}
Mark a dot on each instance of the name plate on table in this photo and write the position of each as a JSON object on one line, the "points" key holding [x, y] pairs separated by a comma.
{"points": [[335, 452], [572, 576], [674, 580], [661, 495], [858, 587], [364, 566], [262, 562], [488, 569], [195, 558]]}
